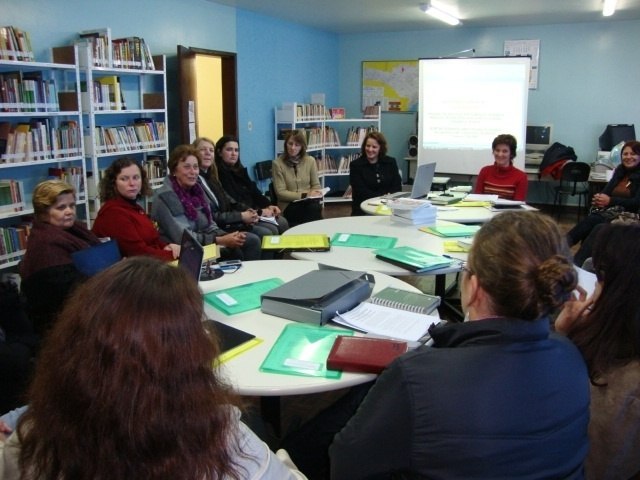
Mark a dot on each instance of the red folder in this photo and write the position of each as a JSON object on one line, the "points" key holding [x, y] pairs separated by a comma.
{"points": [[364, 354]]}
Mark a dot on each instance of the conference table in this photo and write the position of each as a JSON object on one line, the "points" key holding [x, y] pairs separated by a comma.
{"points": [[242, 372]]}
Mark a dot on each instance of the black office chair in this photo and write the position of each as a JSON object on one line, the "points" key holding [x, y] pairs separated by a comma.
{"points": [[263, 172], [573, 181]]}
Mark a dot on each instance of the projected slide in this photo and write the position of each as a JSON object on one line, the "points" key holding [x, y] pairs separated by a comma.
{"points": [[464, 104]]}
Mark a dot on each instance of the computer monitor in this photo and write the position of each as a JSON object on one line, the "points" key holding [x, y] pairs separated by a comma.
{"points": [[614, 134], [539, 138]]}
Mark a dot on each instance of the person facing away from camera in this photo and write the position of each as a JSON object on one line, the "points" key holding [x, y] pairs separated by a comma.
{"points": [[127, 389]]}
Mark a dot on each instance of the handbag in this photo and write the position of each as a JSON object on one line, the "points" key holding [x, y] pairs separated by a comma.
{"points": [[608, 213], [626, 218]]}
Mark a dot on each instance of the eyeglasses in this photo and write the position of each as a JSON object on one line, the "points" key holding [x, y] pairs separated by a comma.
{"points": [[464, 267]]}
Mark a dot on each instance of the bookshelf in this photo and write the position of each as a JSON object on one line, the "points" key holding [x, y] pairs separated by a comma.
{"points": [[124, 99], [334, 142], [40, 138]]}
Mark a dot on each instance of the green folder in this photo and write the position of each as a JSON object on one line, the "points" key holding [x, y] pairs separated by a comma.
{"points": [[303, 350], [362, 241], [241, 298], [413, 259], [452, 230]]}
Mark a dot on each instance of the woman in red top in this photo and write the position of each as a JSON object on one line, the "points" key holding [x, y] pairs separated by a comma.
{"points": [[123, 219], [502, 178]]}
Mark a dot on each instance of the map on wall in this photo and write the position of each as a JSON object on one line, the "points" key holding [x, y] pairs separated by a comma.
{"points": [[393, 85]]}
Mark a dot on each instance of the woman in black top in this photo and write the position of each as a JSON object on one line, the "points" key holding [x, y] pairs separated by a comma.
{"points": [[235, 180], [373, 173]]}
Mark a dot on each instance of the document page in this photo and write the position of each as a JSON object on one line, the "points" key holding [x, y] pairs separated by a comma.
{"points": [[386, 321]]}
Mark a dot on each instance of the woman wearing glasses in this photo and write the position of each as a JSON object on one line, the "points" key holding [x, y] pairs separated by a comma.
{"points": [[498, 396]]}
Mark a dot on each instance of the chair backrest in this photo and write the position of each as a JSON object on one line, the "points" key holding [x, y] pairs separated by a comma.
{"points": [[574, 173], [263, 170]]}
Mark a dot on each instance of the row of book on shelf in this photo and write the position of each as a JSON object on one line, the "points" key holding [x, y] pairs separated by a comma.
{"points": [[39, 139], [329, 164], [318, 111], [13, 241], [145, 133], [107, 94], [108, 52], [15, 44], [329, 137], [27, 92], [11, 196]]}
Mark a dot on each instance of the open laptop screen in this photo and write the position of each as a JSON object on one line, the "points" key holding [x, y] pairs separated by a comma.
{"points": [[191, 255], [424, 178]]}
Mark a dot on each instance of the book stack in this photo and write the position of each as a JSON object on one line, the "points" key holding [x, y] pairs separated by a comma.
{"points": [[413, 211], [15, 44]]}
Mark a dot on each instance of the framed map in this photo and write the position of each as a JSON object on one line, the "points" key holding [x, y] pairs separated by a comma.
{"points": [[393, 85]]}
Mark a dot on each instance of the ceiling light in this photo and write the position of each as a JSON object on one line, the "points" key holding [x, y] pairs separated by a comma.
{"points": [[608, 8], [441, 14]]}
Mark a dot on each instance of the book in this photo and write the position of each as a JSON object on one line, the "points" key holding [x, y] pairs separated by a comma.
{"points": [[303, 350], [412, 259], [405, 300], [364, 354], [241, 298], [451, 229], [300, 243], [233, 341], [386, 321]]}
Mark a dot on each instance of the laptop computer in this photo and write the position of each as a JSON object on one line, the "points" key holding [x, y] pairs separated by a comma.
{"points": [[191, 256], [421, 184]]}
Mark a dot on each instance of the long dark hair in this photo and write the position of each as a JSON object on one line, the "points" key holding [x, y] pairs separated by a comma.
{"points": [[124, 386], [609, 335], [218, 158]]}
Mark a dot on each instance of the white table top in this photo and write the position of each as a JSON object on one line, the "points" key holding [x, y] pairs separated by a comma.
{"points": [[242, 371], [363, 258], [450, 213]]}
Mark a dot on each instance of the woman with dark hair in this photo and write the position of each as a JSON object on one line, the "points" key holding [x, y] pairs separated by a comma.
{"points": [[606, 329], [123, 219], [502, 178], [295, 178], [47, 270], [236, 182], [126, 389], [181, 203], [498, 396], [621, 193], [374, 173]]}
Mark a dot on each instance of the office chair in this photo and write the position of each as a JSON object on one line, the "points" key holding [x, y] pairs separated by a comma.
{"points": [[573, 181], [263, 173]]}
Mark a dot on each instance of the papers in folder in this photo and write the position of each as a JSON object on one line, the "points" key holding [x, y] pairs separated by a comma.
{"points": [[306, 243]]}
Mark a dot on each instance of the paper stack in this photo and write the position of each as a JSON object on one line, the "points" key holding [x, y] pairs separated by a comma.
{"points": [[413, 211]]}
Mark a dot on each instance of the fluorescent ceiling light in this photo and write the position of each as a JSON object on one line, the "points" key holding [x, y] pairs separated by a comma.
{"points": [[608, 8], [439, 14]]}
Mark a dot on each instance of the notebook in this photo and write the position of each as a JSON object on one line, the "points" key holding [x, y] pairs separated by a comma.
{"points": [[421, 184], [191, 256], [364, 354], [405, 300]]}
